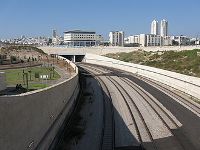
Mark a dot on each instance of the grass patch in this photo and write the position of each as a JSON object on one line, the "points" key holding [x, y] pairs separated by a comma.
{"points": [[36, 86], [134, 57], [15, 76], [185, 62]]}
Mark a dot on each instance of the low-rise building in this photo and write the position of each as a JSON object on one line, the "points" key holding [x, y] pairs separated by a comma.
{"points": [[166, 41], [133, 39], [197, 42], [78, 38], [153, 40], [99, 39], [150, 40], [181, 40], [116, 38], [142, 40]]}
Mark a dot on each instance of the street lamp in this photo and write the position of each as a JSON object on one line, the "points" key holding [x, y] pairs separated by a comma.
{"points": [[26, 75]]}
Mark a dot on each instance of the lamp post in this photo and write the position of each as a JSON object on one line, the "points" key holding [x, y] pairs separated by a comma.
{"points": [[53, 71], [23, 77], [30, 74], [26, 76]]}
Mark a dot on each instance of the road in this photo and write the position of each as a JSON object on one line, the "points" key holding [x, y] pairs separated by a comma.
{"points": [[138, 113]]}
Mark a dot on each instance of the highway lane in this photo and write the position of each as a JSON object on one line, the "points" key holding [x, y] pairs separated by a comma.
{"points": [[164, 133]]}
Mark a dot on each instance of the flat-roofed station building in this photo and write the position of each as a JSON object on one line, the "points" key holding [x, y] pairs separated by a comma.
{"points": [[79, 38]]}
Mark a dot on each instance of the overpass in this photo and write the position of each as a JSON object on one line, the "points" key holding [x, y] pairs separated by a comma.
{"points": [[77, 54]]}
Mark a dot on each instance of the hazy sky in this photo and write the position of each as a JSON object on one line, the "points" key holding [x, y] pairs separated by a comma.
{"points": [[39, 17]]}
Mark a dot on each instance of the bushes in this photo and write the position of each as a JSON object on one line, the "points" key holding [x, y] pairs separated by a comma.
{"points": [[185, 62], [22, 48]]}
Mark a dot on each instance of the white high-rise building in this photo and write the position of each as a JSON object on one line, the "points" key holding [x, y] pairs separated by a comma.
{"points": [[116, 38], [164, 28], [154, 27]]}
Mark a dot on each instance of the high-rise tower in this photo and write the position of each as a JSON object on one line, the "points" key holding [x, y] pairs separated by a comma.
{"points": [[154, 27], [54, 34], [55, 38], [164, 28]]}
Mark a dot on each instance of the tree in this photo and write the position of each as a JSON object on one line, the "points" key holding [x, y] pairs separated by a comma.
{"points": [[175, 43], [13, 59]]}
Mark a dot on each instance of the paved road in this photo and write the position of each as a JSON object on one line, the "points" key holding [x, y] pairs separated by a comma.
{"points": [[145, 116]]}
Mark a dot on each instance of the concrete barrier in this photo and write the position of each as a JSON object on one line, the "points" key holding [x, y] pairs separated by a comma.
{"points": [[31, 120], [2, 81], [187, 84]]}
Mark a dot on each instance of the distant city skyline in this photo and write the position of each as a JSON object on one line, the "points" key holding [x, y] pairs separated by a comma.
{"points": [[39, 18]]}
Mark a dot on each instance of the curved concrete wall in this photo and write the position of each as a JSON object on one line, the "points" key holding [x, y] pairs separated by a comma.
{"points": [[31, 120], [187, 84]]}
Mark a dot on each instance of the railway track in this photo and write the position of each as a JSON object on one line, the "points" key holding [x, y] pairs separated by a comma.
{"points": [[140, 122], [147, 136], [138, 118], [165, 116], [108, 132], [193, 106], [129, 109], [186, 102]]}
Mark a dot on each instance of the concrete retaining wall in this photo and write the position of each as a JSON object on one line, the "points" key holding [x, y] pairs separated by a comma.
{"points": [[187, 84], [2, 81], [31, 120]]}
